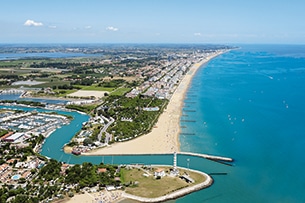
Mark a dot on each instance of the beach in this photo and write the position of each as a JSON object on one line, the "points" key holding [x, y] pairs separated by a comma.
{"points": [[164, 137], [102, 196]]}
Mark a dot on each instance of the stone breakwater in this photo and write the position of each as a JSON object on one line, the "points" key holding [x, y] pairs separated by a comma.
{"points": [[207, 156], [175, 194]]}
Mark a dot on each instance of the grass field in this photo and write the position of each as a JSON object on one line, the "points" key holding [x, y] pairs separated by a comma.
{"points": [[62, 93], [151, 187], [120, 91], [95, 88]]}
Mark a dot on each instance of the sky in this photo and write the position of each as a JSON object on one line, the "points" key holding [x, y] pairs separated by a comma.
{"points": [[153, 21]]}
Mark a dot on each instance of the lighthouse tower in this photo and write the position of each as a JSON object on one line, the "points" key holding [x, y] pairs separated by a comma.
{"points": [[175, 170]]}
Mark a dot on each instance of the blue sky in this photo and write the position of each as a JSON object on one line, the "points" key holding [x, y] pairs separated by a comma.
{"points": [[152, 21]]}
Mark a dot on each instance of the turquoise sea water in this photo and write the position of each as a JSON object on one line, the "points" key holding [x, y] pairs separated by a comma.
{"points": [[250, 106]]}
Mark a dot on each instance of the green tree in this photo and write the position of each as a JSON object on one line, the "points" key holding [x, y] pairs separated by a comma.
{"points": [[87, 141]]}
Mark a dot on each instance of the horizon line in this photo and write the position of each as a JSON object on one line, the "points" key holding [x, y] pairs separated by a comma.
{"points": [[142, 43]]}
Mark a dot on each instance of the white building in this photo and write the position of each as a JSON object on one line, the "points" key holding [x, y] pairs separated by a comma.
{"points": [[159, 172], [14, 137]]}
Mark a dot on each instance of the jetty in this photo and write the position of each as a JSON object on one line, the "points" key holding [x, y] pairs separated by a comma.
{"points": [[207, 156]]}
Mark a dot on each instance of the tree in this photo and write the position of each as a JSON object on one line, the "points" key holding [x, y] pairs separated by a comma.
{"points": [[20, 198], [103, 136], [87, 141]]}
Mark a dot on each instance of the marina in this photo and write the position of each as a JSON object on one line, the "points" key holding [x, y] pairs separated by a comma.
{"points": [[29, 124]]}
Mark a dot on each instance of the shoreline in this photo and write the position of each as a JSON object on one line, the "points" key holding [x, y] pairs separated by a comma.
{"points": [[164, 137], [175, 194], [121, 195]]}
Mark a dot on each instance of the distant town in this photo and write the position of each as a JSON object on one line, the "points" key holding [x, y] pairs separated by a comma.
{"points": [[124, 89]]}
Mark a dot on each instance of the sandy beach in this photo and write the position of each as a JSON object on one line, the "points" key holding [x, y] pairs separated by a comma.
{"points": [[164, 137], [103, 196]]}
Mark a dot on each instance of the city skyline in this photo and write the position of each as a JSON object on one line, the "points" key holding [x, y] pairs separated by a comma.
{"points": [[153, 21]]}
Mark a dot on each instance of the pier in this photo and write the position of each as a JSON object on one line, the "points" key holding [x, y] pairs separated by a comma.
{"points": [[207, 156]]}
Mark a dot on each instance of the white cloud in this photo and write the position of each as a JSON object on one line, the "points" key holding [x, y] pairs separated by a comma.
{"points": [[32, 23], [197, 34], [88, 27], [112, 28], [53, 26]]}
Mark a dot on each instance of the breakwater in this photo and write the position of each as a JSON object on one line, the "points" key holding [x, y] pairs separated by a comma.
{"points": [[206, 156]]}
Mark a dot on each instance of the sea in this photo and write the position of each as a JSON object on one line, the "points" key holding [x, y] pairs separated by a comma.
{"points": [[247, 104]]}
